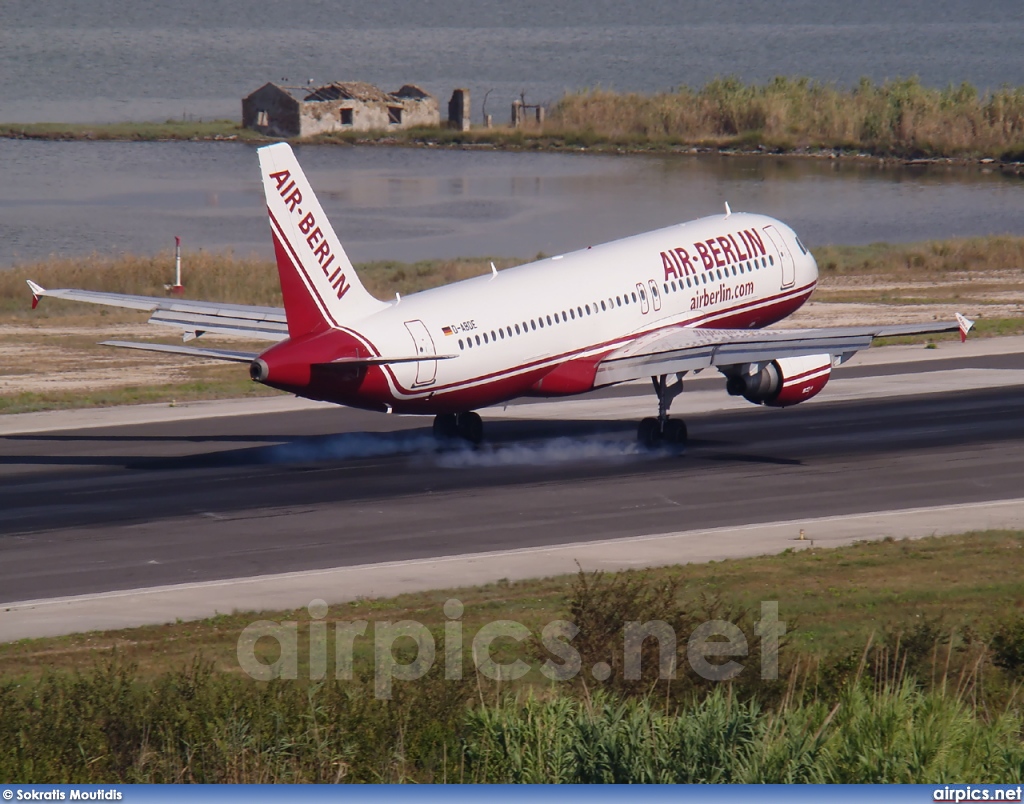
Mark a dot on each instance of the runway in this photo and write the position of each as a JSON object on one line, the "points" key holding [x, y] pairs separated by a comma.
{"points": [[184, 501]]}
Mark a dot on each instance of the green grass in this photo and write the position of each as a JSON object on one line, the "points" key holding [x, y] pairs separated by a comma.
{"points": [[889, 676], [237, 385]]}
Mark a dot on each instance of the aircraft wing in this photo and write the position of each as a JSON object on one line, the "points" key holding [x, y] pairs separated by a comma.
{"points": [[192, 317], [690, 349]]}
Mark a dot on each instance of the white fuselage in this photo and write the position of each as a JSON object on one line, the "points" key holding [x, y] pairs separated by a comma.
{"points": [[508, 329]]}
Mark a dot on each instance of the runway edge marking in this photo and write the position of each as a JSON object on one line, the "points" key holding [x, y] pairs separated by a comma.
{"points": [[291, 590]]}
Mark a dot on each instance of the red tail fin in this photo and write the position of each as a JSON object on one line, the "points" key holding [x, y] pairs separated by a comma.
{"points": [[319, 284]]}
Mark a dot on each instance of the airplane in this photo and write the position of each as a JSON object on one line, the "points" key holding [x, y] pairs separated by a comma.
{"points": [[657, 305]]}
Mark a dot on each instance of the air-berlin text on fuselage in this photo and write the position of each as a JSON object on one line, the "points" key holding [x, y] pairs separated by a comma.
{"points": [[729, 249], [321, 249]]}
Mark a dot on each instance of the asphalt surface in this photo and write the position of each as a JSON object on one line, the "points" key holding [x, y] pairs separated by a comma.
{"points": [[128, 507]]}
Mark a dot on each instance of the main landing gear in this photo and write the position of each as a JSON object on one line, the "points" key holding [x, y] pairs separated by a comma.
{"points": [[467, 426], [663, 430]]}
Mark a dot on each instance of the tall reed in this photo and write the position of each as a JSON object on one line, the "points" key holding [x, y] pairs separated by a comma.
{"points": [[899, 117]]}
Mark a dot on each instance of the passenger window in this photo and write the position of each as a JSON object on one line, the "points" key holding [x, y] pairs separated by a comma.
{"points": [[634, 298], [460, 343], [588, 309], [501, 332], [549, 321], [579, 311], [485, 337], [771, 261], [517, 329], [477, 340], [603, 308], [572, 314]]}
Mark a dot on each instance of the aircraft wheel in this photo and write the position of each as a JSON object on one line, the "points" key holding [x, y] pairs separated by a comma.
{"points": [[675, 432], [471, 427], [446, 426], [649, 433]]}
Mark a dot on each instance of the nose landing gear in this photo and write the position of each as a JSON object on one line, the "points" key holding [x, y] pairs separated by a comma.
{"points": [[663, 430]]}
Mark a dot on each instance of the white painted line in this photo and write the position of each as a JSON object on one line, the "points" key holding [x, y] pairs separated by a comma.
{"points": [[294, 590]]}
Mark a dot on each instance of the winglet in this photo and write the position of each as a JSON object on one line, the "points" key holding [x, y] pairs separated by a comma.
{"points": [[965, 326], [37, 292]]}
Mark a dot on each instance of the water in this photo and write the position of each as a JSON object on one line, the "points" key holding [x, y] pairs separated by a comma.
{"points": [[409, 204], [116, 59], [100, 60]]}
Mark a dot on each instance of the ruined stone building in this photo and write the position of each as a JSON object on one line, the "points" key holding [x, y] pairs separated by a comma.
{"points": [[282, 111]]}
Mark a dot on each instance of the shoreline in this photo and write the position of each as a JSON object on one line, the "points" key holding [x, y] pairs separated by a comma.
{"points": [[496, 139]]}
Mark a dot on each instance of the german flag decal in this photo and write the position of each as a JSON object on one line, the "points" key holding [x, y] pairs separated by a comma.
{"points": [[447, 330]]}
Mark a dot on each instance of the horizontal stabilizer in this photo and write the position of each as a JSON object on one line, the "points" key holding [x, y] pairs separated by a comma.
{"points": [[190, 351]]}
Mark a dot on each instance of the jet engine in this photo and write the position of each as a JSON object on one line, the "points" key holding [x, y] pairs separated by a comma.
{"points": [[781, 383]]}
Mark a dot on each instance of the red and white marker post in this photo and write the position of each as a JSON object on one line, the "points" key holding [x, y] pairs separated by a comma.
{"points": [[177, 288]]}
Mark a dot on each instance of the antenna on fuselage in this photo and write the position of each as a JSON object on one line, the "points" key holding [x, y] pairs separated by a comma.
{"points": [[728, 211], [494, 271]]}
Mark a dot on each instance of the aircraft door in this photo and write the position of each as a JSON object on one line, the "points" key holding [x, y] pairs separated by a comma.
{"points": [[655, 294], [785, 256], [426, 370], [645, 303]]}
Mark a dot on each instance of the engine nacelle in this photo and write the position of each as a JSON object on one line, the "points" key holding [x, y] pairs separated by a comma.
{"points": [[781, 383]]}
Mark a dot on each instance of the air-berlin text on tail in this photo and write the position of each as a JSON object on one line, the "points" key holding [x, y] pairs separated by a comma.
{"points": [[318, 245], [735, 247]]}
